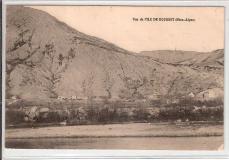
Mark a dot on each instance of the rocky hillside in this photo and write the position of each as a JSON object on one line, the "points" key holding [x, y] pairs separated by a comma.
{"points": [[46, 59]]}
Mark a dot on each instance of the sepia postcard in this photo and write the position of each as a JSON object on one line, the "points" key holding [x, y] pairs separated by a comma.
{"points": [[113, 77]]}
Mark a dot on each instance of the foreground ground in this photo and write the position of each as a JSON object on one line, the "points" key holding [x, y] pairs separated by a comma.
{"points": [[182, 136]]}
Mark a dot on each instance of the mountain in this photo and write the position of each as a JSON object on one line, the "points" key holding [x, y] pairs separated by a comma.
{"points": [[46, 59], [209, 61]]}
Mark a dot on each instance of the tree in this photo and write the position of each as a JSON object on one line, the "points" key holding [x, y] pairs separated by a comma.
{"points": [[108, 83], [71, 54], [87, 85], [132, 85], [61, 58], [14, 57], [13, 61], [51, 68]]}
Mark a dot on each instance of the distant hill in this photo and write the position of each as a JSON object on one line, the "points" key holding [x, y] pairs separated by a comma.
{"points": [[170, 56], [46, 59], [209, 61]]}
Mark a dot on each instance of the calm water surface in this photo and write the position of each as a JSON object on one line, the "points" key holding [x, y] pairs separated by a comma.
{"points": [[154, 143]]}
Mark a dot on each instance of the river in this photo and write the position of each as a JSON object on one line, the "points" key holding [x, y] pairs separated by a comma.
{"points": [[147, 143]]}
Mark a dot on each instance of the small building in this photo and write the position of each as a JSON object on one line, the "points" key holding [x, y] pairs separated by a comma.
{"points": [[191, 95], [61, 98], [73, 97], [82, 98], [14, 97], [210, 94], [153, 97]]}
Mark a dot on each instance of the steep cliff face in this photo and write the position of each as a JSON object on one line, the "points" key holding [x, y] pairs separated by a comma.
{"points": [[46, 58]]}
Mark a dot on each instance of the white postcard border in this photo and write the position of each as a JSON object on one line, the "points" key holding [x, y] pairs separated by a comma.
{"points": [[118, 154]]}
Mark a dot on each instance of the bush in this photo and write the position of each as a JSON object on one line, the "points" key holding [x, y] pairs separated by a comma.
{"points": [[141, 114], [123, 116], [102, 115], [14, 117], [201, 114], [52, 117], [189, 102]]}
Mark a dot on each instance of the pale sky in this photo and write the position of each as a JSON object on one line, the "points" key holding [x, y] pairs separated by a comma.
{"points": [[115, 24]]}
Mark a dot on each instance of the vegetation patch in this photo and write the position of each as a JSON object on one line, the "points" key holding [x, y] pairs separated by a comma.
{"points": [[105, 112]]}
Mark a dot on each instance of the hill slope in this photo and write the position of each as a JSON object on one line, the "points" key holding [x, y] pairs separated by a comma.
{"points": [[208, 61], [46, 58]]}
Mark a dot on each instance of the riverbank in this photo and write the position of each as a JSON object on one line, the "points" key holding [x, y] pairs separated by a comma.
{"points": [[119, 130]]}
